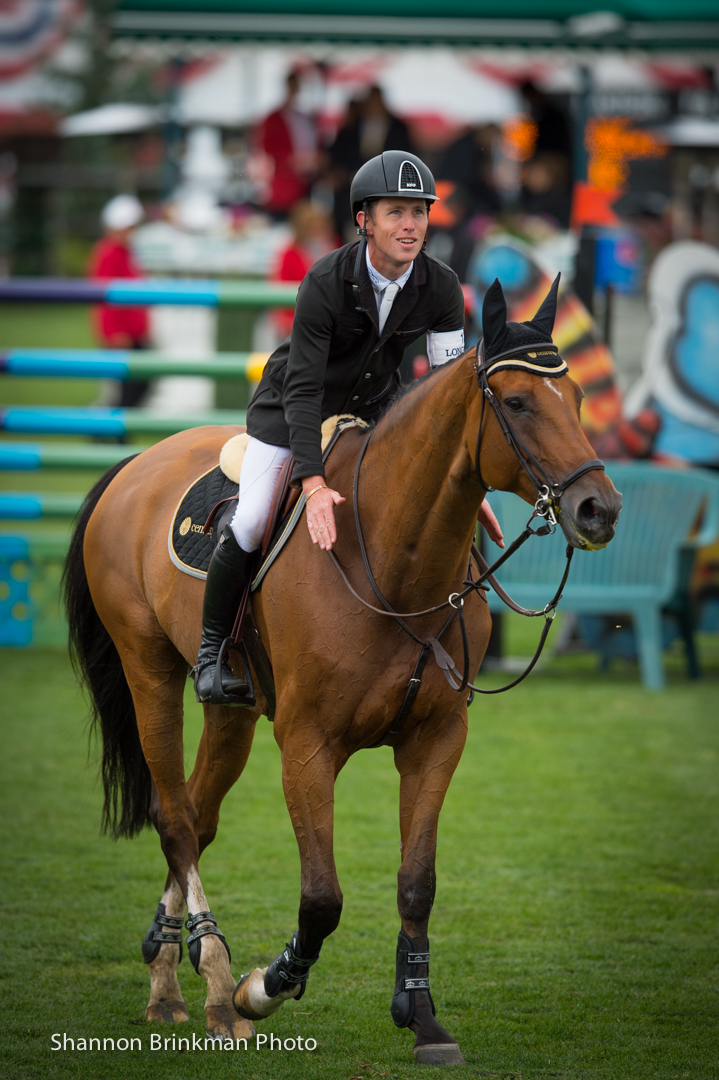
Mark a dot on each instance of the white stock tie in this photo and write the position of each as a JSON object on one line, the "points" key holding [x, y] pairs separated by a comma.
{"points": [[388, 296]]}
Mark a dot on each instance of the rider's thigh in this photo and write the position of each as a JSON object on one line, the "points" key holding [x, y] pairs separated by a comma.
{"points": [[261, 467]]}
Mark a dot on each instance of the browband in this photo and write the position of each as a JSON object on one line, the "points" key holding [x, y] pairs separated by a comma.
{"points": [[520, 359]]}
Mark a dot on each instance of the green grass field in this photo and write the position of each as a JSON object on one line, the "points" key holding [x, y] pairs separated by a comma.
{"points": [[573, 934], [574, 930]]}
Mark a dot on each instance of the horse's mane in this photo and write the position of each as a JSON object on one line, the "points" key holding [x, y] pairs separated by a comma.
{"points": [[404, 399]]}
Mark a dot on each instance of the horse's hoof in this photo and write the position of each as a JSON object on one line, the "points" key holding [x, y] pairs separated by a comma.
{"points": [[167, 1012], [223, 1023], [250, 999], [439, 1054]]}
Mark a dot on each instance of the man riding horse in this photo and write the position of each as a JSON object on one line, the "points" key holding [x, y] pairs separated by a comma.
{"points": [[357, 311]]}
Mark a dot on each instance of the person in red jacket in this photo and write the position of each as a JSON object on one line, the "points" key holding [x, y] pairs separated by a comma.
{"points": [[289, 138], [111, 258], [313, 238]]}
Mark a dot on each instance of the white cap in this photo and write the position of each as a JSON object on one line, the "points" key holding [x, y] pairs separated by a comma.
{"points": [[122, 212]]}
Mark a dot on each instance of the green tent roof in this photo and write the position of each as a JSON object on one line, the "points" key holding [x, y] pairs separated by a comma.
{"points": [[649, 24]]}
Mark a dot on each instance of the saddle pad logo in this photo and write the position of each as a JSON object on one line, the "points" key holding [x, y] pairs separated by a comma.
{"points": [[185, 526]]}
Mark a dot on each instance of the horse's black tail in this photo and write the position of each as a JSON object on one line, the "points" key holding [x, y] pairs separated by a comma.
{"points": [[125, 775]]}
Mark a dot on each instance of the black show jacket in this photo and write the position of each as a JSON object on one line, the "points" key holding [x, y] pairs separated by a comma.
{"points": [[336, 361]]}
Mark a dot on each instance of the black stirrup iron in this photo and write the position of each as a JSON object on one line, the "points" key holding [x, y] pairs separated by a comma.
{"points": [[289, 969], [156, 936], [194, 938], [412, 975]]}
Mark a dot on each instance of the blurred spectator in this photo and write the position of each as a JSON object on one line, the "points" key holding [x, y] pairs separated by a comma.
{"points": [[289, 138], [369, 129], [467, 163], [449, 238], [552, 127], [313, 237], [547, 174], [120, 327]]}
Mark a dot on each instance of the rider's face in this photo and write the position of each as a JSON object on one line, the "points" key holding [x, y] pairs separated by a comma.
{"points": [[396, 229]]}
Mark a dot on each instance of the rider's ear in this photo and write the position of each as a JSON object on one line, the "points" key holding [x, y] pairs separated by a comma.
{"points": [[544, 319], [494, 316]]}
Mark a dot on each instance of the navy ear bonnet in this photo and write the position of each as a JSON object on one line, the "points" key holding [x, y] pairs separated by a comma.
{"points": [[526, 346]]}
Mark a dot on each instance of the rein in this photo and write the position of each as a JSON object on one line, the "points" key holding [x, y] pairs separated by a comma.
{"points": [[549, 493]]}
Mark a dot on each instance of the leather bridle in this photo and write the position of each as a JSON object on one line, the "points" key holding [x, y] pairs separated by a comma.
{"points": [[520, 358], [549, 496]]}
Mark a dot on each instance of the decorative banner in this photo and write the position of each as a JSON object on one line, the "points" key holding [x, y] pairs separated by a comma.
{"points": [[680, 376], [31, 31]]}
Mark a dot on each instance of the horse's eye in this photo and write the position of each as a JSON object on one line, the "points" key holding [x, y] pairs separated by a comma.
{"points": [[515, 404]]}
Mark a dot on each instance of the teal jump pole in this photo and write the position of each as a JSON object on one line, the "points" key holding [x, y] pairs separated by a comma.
{"points": [[29, 506], [107, 423], [29, 457], [126, 364]]}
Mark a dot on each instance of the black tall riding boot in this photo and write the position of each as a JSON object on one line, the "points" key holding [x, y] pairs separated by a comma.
{"points": [[228, 573]]}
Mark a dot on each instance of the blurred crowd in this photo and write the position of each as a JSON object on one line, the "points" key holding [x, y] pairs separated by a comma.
{"points": [[524, 167]]}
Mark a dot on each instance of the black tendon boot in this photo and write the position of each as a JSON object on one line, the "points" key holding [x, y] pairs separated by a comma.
{"points": [[433, 1045], [228, 574], [289, 969], [412, 975]]}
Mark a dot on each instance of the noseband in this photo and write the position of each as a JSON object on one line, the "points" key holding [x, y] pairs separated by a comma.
{"points": [[521, 359]]}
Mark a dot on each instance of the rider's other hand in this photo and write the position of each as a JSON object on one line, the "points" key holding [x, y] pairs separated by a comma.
{"points": [[486, 518], [320, 512]]}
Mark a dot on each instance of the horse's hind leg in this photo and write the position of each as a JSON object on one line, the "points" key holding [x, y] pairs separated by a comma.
{"points": [[221, 756], [166, 1002], [156, 674], [426, 766]]}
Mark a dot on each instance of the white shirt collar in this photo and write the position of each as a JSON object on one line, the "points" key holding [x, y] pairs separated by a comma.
{"points": [[379, 281]]}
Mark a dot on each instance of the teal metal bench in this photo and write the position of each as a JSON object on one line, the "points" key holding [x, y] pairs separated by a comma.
{"points": [[637, 574]]}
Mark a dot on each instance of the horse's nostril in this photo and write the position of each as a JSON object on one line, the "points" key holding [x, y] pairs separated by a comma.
{"points": [[591, 512]]}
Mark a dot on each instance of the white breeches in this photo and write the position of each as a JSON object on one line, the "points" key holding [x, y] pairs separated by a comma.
{"points": [[261, 467]]}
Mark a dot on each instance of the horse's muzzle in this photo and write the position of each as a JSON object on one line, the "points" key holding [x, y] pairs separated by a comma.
{"points": [[589, 519]]}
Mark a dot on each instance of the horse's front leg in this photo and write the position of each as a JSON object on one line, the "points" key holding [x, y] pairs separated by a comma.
{"points": [[426, 766], [309, 771]]}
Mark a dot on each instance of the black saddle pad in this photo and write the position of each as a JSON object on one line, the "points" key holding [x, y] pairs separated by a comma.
{"points": [[191, 548]]}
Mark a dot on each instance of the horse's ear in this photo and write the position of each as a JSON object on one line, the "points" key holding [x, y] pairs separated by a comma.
{"points": [[544, 319], [494, 316]]}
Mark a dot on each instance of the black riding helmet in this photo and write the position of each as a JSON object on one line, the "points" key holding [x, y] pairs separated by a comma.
{"points": [[395, 172]]}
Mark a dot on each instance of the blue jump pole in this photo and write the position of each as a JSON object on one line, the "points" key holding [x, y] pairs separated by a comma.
{"points": [[126, 364], [29, 457], [29, 506], [107, 423]]}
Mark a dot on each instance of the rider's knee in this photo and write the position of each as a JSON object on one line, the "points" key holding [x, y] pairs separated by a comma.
{"points": [[248, 525]]}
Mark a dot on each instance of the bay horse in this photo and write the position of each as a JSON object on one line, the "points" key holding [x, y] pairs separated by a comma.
{"points": [[341, 670]]}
